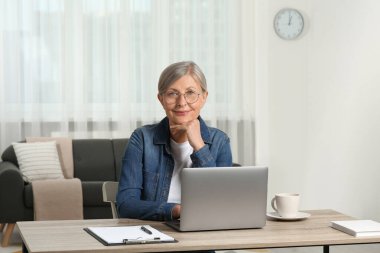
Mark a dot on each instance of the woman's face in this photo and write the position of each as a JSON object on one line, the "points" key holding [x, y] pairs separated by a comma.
{"points": [[178, 110]]}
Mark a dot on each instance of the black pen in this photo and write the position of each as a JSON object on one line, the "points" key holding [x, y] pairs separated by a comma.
{"points": [[146, 230]]}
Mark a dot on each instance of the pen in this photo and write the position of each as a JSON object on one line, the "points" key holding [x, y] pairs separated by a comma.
{"points": [[146, 230]]}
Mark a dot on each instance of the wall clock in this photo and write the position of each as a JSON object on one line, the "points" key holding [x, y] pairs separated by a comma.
{"points": [[288, 23]]}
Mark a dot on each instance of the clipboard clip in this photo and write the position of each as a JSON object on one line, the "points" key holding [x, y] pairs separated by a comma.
{"points": [[142, 241]]}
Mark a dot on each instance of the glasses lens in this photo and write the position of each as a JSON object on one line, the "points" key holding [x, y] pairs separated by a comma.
{"points": [[191, 97], [171, 97]]}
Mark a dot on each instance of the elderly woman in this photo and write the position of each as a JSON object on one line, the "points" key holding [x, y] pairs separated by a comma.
{"points": [[150, 186]]}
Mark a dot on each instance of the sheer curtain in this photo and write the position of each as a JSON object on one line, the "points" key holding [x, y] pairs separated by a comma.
{"points": [[89, 69]]}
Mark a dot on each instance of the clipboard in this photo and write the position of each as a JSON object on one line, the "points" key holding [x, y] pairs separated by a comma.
{"points": [[126, 235]]}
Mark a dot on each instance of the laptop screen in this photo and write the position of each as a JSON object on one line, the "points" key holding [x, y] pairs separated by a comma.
{"points": [[223, 198]]}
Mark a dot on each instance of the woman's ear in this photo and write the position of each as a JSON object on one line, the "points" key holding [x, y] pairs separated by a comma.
{"points": [[161, 99], [204, 96]]}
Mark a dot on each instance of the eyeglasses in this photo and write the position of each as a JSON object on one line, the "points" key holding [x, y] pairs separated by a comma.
{"points": [[190, 96]]}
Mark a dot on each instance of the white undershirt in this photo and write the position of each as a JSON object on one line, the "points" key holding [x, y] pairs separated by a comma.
{"points": [[181, 154]]}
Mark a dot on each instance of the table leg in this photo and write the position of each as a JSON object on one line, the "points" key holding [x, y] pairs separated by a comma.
{"points": [[326, 248], [7, 234], [2, 226], [24, 249]]}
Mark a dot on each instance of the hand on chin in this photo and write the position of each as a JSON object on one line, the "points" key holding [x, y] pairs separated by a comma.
{"points": [[188, 131], [178, 129]]}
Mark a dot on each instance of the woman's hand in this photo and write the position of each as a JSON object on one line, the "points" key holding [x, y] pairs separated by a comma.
{"points": [[176, 212], [191, 130]]}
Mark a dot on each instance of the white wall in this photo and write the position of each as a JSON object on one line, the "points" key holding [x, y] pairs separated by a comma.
{"points": [[318, 109]]}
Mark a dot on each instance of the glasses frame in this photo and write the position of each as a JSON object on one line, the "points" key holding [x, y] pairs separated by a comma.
{"points": [[179, 95]]}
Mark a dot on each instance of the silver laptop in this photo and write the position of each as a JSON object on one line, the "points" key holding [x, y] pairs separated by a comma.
{"points": [[222, 198]]}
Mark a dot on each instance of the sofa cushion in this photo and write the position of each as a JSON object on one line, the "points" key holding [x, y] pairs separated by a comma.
{"points": [[65, 152], [94, 160], [119, 146], [38, 160], [92, 194]]}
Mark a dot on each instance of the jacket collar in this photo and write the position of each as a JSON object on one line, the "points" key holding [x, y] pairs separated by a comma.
{"points": [[162, 134]]}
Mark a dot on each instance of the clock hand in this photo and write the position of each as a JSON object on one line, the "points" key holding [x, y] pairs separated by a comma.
{"points": [[290, 20]]}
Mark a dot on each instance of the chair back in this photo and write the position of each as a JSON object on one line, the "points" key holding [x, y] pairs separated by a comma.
{"points": [[109, 190]]}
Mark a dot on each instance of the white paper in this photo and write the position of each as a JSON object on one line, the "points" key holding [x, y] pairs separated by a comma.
{"points": [[114, 235]]}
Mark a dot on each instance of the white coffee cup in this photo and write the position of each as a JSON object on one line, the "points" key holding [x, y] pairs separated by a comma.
{"points": [[286, 204]]}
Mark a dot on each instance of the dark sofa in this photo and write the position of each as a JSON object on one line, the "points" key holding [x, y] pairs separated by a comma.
{"points": [[95, 161]]}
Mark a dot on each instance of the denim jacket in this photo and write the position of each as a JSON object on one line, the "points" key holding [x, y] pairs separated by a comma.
{"points": [[148, 166]]}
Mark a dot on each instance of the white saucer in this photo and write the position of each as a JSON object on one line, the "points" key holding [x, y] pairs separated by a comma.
{"points": [[300, 216]]}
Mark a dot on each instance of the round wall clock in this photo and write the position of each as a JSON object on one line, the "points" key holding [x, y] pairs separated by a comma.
{"points": [[288, 23]]}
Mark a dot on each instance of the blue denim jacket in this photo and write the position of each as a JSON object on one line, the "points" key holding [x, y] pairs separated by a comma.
{"points": [[148, 166]]}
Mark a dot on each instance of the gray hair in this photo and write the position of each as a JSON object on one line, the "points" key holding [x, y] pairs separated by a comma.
{"points": [[177, 70]]}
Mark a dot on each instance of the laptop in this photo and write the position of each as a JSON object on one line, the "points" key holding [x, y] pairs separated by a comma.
{"points": [[222, 198]]}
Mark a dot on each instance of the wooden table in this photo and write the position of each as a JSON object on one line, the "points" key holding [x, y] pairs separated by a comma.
{"points": [[69, 236]]}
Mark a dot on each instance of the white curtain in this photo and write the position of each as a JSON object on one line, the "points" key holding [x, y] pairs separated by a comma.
{"points": [[89, 69]]}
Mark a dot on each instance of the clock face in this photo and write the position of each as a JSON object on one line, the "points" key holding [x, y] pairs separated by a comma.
{"points": [[288, 24]]}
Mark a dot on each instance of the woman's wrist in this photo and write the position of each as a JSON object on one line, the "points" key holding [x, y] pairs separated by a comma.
{"points": [[198, 146]]}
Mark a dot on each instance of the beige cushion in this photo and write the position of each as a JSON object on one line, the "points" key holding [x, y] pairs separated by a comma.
{"points": [[38, 161], [65, 152]]}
